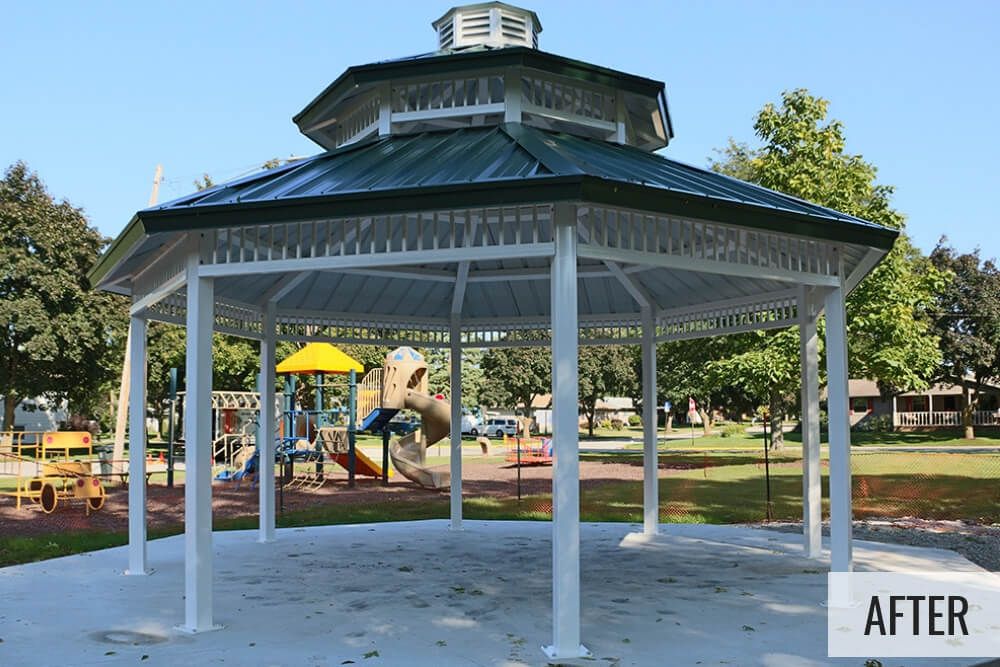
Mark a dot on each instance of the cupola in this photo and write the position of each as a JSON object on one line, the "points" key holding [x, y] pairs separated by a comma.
{"points": [[487, 24], [487, 71]]}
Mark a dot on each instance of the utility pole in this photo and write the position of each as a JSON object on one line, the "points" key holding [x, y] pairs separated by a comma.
{"points": [[121, 417]]}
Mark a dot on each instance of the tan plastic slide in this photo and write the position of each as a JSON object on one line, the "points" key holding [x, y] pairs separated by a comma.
{"points": [[404, 386], [410, 452]]}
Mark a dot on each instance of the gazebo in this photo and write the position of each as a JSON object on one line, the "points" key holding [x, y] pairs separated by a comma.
{"points": [[487, 194]]}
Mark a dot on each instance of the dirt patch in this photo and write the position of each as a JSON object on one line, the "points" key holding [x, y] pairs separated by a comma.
{"points": [[166, 505]]}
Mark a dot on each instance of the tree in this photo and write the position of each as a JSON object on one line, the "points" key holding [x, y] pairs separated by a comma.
{"points": [[513, 376], [889, 332], [473, 379], [58, 336], [682, 373], [235, 362], [604, 370], [968, 323], [764, 365]]}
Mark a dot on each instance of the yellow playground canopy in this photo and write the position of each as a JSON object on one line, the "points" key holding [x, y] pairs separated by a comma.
{"points": [[319, 358]]}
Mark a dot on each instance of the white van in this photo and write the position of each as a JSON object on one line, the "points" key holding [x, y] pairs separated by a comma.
{"points": [[471, 425], [498, 426]]}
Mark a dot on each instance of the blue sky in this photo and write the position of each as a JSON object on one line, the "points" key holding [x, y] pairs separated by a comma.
{"points": [[95, 94]]}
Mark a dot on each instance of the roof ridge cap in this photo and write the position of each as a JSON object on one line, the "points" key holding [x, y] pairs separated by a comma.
{"points": [[529, 139]]}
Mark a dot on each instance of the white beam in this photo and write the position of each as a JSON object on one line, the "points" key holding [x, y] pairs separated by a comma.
{"points": [[372, 260], [198, 452], [458, 295], [427, 275], [841, 559], [812, 498], [706, 266], [265, 435], [448, 112], [280, 289], [566, 455], [456, 423], [508, 275], [864, 267], [157, 295], [137, 449], [512, 95], [635, 290], [384, 109], [650, 456]]}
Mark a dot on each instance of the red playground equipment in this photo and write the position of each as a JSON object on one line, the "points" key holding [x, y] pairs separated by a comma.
{"points": [[528, 451]]}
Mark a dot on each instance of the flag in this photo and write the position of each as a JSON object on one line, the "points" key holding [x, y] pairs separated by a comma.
{"points": [[693, 416]]}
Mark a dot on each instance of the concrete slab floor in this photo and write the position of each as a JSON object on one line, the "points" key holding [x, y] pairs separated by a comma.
{"points": [[419, 594]]}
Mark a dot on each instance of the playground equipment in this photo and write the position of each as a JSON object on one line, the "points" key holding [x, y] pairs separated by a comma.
{"points": [[328, 430], [47, 482], [528, 451], [402, 384]]}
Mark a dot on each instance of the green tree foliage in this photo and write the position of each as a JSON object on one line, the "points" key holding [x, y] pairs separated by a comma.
{"points": [[763, 365], [513, 376], [605, 370], [890, 333], [683, 372], [235, 362], [59, 337], [473, 379], [968, 322]]}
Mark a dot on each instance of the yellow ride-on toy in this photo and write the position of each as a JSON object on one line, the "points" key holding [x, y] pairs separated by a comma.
{"points": [[67, 481]]}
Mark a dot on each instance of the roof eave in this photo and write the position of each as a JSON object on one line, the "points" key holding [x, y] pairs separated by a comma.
{"points": [[659, 200], [579, 187], [117, 252]]}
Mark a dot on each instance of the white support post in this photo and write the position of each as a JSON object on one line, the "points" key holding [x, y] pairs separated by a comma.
{"points": [[812, 495], [650, 458], [455, 340], [566, 455], [840, 432], [198, 453], [512, 95], [385, 109], [265, 435], [137, 564]]}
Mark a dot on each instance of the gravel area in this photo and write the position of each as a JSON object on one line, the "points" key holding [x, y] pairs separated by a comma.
{"points": [[977, 542]]}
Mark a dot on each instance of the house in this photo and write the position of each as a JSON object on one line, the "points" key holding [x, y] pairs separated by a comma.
{"points": [[939, 406], [615, 408]]}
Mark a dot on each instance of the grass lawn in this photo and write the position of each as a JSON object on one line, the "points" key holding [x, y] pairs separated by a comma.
{"points": [[701, 487]]}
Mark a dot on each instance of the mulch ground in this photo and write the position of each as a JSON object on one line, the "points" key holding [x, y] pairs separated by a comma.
{"points": [[166, 505]]}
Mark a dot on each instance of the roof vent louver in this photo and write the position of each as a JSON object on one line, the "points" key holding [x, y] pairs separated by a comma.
{"points": [[489, 24]]}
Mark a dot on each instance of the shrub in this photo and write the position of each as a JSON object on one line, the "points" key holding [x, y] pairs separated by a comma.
{"points": [[874, 424], [634, 420], [604, 423], [732, 431], [617, 424]]}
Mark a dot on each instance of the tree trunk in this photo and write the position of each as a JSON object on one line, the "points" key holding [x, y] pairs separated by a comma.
{"points": [[669, 423], [706, 421], [9, 405], [590, 423], [777, 432], [968, 408]]}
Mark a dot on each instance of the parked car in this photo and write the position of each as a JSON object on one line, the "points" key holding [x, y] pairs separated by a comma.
{"points": [[499, 426], [471, 425]]}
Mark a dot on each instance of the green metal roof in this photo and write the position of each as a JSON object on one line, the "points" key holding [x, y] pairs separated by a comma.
{"points": [[489, 166]]}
